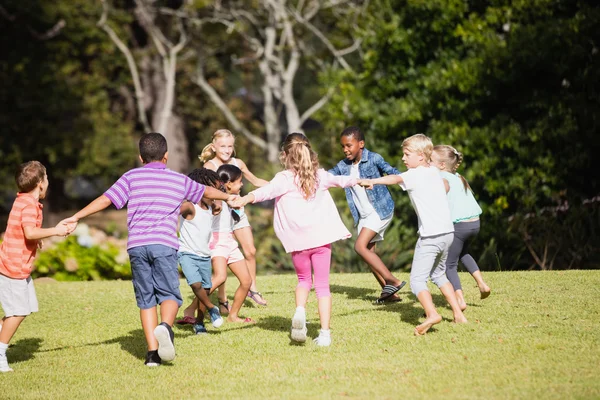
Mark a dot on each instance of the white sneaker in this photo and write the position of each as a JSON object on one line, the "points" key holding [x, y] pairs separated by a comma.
{"points": [[165, 338], [4, 364], [323, 340], [299, 326]]}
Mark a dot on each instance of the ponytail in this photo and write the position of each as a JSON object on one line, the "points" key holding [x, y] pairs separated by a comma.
{"points": [[208, 153]]}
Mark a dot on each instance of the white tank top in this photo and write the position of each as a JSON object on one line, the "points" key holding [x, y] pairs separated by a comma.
{"points": [[223, 222], [195, 234], [233, 162]]}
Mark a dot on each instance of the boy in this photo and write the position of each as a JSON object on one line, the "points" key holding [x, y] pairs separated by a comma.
{"points": [[153, 195], [427, 192], [373, 210], [22, 238]]}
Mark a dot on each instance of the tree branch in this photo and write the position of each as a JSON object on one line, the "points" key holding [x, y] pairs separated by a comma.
{"points": [[317, 106], [139, 92], [212, 94]]}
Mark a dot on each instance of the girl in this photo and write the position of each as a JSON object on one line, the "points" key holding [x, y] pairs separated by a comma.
{"points": [[220, 152], [224, 248], [194, 253], [306, 222], [465, 215]]}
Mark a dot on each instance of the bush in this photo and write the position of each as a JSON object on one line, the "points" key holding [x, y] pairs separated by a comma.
{"points": [[68, 261]]}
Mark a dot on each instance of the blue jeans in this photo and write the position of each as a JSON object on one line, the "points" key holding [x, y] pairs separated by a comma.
{"points": [[154, 275]]}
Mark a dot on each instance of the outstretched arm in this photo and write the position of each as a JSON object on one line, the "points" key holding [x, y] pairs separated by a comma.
{"points": [[99, 204], [258, 182], [384, 180], [61, 229]]}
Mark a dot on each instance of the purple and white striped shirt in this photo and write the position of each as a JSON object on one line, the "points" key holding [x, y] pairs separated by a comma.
{"points": [[153, 195]]}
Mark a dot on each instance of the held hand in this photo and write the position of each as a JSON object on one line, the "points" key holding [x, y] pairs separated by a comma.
{"points": [[71, 224], [62, 229], [366, 183], [216, 207], [237, 202]]}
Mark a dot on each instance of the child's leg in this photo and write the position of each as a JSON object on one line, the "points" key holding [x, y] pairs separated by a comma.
{"points": [[246, 240], [452, 266], [190, 310], [240, 270], [321, 262], [149, 321], [302, 265], [219, 266], [364, 249], [201, 295], [438, 274], [9, 327], [424, 257]]}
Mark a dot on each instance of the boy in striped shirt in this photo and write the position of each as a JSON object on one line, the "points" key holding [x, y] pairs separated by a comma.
{"points": [[153, 195], [23, 236]]}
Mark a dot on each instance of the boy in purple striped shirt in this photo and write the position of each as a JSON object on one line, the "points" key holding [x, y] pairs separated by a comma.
{"points": [[153, 195]]}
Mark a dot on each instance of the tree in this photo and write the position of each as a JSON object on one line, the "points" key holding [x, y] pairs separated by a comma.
{"points": [[276, 40]]}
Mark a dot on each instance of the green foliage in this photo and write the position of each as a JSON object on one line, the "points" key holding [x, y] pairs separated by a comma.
{"points": [[68, 261], [513, 85]]}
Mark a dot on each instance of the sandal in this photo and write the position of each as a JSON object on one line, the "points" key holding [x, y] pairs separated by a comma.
{"points": [[388, 291], [186, 320], [224, 306], [257, 297]]}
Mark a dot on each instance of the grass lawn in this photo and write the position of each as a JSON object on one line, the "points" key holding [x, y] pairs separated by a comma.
{"points": [[535, 337]]}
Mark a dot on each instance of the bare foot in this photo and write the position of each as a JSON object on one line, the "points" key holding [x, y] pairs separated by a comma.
{"points": [[485, 291], [224, 307], [189, 313], [428, 323], [460, 319], [462, 304], [240, 320]]}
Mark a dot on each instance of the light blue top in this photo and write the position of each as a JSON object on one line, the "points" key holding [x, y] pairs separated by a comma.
{"points": [[463, 205]]}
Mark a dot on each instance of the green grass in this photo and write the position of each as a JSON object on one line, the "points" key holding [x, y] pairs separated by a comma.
{"points": [[535, 337]]}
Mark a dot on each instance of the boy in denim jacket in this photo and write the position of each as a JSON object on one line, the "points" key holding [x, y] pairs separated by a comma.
{"points": [[372, 210]]}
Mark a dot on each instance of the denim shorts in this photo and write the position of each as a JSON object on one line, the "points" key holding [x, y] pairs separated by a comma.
{"points": [[154, 274], [196, 268]]}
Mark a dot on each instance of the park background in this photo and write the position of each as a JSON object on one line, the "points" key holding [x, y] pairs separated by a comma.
{"points": [[514, 85]]}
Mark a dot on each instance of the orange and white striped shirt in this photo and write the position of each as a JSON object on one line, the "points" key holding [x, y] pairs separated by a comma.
{"points": [[16, 252]]}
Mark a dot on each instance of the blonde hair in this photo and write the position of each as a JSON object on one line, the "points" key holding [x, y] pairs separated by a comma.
{"points": [[419, 143], [452, 158], [298, 156], [208, 153]]}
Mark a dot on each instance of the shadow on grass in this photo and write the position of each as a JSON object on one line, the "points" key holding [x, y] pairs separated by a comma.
{"points": [[24, 349], [353, 292], [274, 323]]}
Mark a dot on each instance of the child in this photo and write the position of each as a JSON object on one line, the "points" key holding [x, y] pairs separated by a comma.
{"points": [[220, 152], [373, 210], [427, 193], [307, 222], [224, 249], [465, 212], [153, 195], [194, 254], [22, 238]]}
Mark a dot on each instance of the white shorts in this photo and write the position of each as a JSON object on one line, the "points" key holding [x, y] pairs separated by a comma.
{"points": [[223, 244], [243, 222], [376, 224], [17, 296]]}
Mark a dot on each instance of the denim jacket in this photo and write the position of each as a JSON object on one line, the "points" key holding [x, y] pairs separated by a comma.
{"points": [[371, 166]]}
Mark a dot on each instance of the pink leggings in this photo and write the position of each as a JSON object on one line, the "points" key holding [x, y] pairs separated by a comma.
{"points": [[320, 259]]}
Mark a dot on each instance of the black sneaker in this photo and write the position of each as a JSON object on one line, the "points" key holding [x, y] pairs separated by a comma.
{"points": [[166, 338], [152, 359]]}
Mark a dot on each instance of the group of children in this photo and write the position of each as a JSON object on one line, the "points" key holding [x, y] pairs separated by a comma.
{"points": [[198, 220]]}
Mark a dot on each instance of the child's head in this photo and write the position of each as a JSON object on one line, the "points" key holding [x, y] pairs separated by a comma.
{"points": [[221, 146], [206, 177], [231, 178], [417, 150], [446, 158], [298, 156], [353, 142], [153, 147], [30, 176]]}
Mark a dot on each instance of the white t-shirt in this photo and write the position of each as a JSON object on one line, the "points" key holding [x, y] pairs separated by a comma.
{"points": [[224, 221], [195, 234], [359, 194], [427, 194]]}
